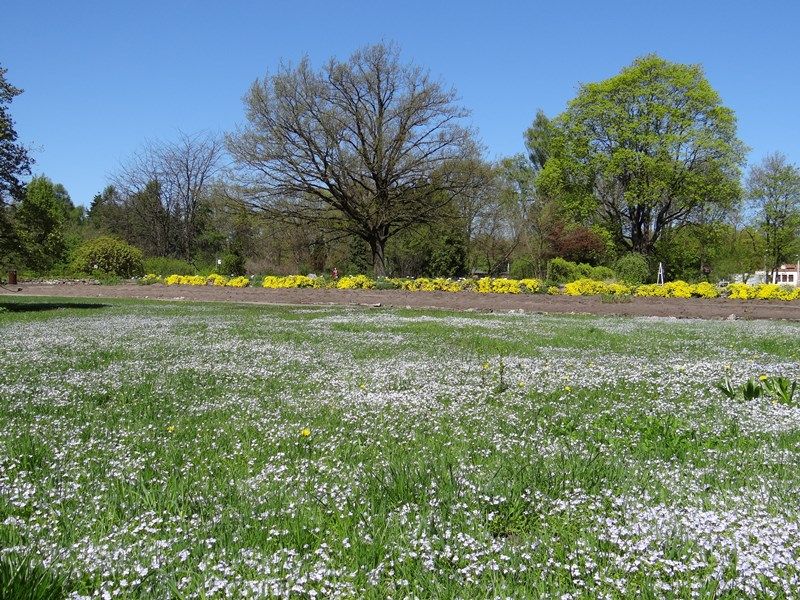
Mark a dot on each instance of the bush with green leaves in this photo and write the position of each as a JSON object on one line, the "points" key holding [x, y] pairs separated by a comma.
{"points": [[562, 271], [602, 273], [522, 268], [164, 266], [109, 256], [633, 268], [232, 264]]}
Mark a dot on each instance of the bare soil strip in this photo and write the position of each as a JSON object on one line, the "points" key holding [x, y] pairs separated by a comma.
{"points": [[656, 307]]}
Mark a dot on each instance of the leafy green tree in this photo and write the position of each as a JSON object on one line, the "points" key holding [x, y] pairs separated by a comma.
{"points": [[14, 160], [644, 151], [15, 163], [40, 219], [773, 188]]}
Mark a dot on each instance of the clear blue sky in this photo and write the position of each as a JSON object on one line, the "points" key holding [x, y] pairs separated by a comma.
{"points": [[102, 77]]}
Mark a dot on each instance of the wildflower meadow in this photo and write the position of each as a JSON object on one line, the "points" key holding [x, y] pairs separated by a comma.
{"points": [[179, 450]]}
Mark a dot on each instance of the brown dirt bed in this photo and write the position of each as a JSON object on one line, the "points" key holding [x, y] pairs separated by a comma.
{"points": [[657, 307]]}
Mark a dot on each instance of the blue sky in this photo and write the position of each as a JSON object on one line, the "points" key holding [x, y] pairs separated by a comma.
{"points": [[102, 77]]}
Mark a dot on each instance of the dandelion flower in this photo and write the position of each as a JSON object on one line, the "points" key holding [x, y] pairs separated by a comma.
{"points": [[305, 432]]}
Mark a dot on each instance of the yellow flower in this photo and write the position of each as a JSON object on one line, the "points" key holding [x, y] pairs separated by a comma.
{"points": [[567, 389], [486, 366], [762, 377], [305, 432], [521, 384], [171, 428]]}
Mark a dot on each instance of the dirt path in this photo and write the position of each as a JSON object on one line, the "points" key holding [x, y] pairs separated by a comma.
{"points": [[661, 307]]}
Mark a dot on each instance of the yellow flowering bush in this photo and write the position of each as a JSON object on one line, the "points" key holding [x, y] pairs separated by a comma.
{"points": [[238, 282], [529, 286], [677, 289], [591, 287], [741, 291], [289, 281], [705, 290], [215, 279], [185, 280], [425, 284], [355, 282], [762, 291], [501, 285], [497, 285]]}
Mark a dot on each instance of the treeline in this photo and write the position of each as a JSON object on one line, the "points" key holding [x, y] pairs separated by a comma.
{"points": [[367, 166]]}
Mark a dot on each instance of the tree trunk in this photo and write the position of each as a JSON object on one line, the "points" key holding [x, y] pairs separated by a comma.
{"points": [[378, 259]]}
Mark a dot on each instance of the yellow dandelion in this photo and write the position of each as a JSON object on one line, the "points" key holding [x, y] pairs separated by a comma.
{"points": [[567, 389], [305, 432], [762, 377], [171, 428]]}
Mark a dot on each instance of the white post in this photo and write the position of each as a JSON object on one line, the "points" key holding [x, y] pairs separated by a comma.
{"points": [[661, 273]]}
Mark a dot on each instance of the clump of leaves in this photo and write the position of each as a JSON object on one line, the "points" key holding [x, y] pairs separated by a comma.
{"points": [[780, 389]]}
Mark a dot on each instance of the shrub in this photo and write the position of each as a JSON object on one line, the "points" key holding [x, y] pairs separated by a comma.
{"points": [[388, 284], [562, 271], [232, 264], [633, 268], [762, 291], [162, 265], [238, 282], [522, 268], [602, 273], [355, 282], [590, 287], [110, 256], [290, 281]]}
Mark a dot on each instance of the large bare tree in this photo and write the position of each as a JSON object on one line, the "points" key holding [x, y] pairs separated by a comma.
{"points": [[360, 147], [177, 175]]}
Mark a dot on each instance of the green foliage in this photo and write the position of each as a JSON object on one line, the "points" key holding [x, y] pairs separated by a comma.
{"points": [[386, 284], [40, 220], [232, 264], [163, 265], [108, 255], [562, 271], [773, 188], [633, 268], [780, 389], [650, 146], [601, 273], [21, 579], [448, 258], [437, 250], [522, 268], [14, 160]]}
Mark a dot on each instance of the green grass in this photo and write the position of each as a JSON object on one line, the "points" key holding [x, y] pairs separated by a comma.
{"points": [[155, 449]]}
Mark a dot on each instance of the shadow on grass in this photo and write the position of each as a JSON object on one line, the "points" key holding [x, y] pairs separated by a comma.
{"points": [[43, 306]]}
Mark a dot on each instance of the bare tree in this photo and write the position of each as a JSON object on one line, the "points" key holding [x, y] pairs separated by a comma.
{"points": [[178, 174], [359, 147]]}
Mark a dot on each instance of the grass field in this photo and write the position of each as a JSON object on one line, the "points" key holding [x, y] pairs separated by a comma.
{"points": [[155, 450]]}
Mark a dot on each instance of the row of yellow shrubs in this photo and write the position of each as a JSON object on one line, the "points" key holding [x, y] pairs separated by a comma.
{"points": [[497, 285], [213, 279]]}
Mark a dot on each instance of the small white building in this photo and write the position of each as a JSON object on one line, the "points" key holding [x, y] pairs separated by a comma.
{"points": [[785, 275]]}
